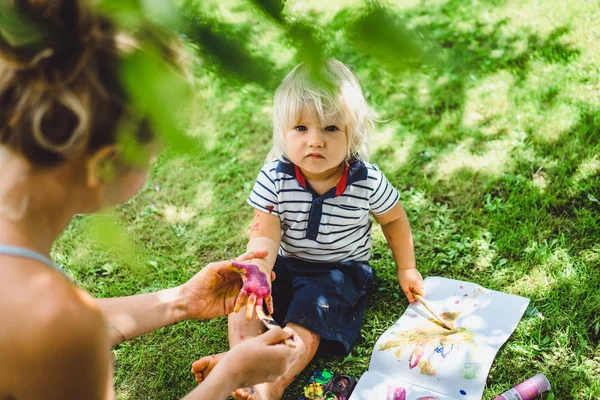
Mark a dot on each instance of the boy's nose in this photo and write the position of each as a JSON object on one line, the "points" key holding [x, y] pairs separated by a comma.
{"points": [[315, 139]]}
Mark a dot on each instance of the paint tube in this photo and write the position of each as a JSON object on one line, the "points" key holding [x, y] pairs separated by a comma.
{"points": [[527, 390]]}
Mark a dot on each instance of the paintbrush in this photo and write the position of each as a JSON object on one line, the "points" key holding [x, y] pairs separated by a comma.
{"points": [[270, 323], [447, 325]]}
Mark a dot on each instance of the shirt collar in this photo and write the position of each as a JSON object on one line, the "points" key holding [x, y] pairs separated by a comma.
{"points": [[355, 171], [339, 188]]}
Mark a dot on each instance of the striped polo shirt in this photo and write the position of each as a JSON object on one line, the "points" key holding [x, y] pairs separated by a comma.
{"points": [[332, 227]]}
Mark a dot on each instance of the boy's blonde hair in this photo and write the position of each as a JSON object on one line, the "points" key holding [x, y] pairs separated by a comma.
{"points": [[333, 93]]}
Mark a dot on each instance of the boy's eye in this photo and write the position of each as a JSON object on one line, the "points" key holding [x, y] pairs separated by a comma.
{"points": [[301, 128], [331, 128]]}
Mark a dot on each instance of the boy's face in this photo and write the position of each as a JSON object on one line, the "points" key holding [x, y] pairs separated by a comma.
{"points": [[317, 150]]}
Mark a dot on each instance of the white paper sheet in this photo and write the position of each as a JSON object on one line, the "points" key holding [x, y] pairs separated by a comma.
{"points": [[453, 363]]}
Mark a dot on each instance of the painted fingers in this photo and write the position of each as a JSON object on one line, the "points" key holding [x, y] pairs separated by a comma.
{"points": [[255, 291]]}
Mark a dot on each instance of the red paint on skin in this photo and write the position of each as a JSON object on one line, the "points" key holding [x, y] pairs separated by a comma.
{"points": [[255, 227], [239, 327], [256, 281]]}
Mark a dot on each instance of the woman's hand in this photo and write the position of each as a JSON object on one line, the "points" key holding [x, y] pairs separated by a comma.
{"points": [[263, 358], [411, 282], [213, 291]]}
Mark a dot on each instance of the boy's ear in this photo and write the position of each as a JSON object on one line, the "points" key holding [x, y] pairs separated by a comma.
{"points": [[99, 168]]}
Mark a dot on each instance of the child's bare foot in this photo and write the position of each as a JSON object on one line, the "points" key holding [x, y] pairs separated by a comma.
{"points": [[248, 393], [202, 367], [264, 391]]}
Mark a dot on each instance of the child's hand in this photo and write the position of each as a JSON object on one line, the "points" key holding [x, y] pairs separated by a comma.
{"points": [[257, 286], [411, 282]]}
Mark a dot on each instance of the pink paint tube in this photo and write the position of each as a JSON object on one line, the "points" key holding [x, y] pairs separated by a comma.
{"points": [[527, 390]]}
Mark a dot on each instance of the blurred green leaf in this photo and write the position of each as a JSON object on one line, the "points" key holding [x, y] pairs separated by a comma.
{"points": [[16, 30], [271, 8], [229, 51], [162, 12], [126, 13], [159, 93], [310, 49], [132, 14], [112, 237], [381, 34]]}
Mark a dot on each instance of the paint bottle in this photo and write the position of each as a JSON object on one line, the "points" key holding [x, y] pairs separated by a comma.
{"points": [[527, 390]]}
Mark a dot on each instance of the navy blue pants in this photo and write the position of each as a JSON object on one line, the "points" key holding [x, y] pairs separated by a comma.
{"points": [[328, 299]]}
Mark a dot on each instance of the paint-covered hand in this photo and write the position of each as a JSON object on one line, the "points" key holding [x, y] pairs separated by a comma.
{"points": [[256, 289], [411, 282], [213, 291]]}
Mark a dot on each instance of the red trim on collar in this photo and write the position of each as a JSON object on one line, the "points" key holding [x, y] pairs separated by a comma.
{"points": [[341, 186], [299, 177]]}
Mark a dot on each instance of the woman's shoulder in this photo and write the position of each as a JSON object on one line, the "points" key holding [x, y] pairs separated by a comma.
{"points": [[48, 299], [50, 326]]}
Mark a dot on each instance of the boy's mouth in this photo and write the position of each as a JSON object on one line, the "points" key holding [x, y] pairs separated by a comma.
{"points": [[314, 155]]}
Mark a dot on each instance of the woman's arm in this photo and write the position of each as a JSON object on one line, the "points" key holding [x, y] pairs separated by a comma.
{"points": [[70, 354], [131, 316], [208, 294]]}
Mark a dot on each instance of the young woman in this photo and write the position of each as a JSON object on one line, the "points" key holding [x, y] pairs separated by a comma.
{"points": [[61, 103]]}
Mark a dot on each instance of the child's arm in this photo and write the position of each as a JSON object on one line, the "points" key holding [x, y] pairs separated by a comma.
{"points": [[396, 229], [265, 233]]}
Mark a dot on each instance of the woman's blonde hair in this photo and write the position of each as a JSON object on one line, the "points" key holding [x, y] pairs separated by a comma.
{"points": [[333, 93]]}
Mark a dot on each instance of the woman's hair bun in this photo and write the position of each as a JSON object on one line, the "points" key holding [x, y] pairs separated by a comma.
{"points": [[48, 36], [60, 91]]}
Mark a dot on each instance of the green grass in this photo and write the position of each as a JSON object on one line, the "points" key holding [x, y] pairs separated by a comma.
{"points": [[496, 151]]}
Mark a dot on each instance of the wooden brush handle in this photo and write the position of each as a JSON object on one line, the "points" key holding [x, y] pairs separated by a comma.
{"points": [[270, 323], [422, 300]]}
